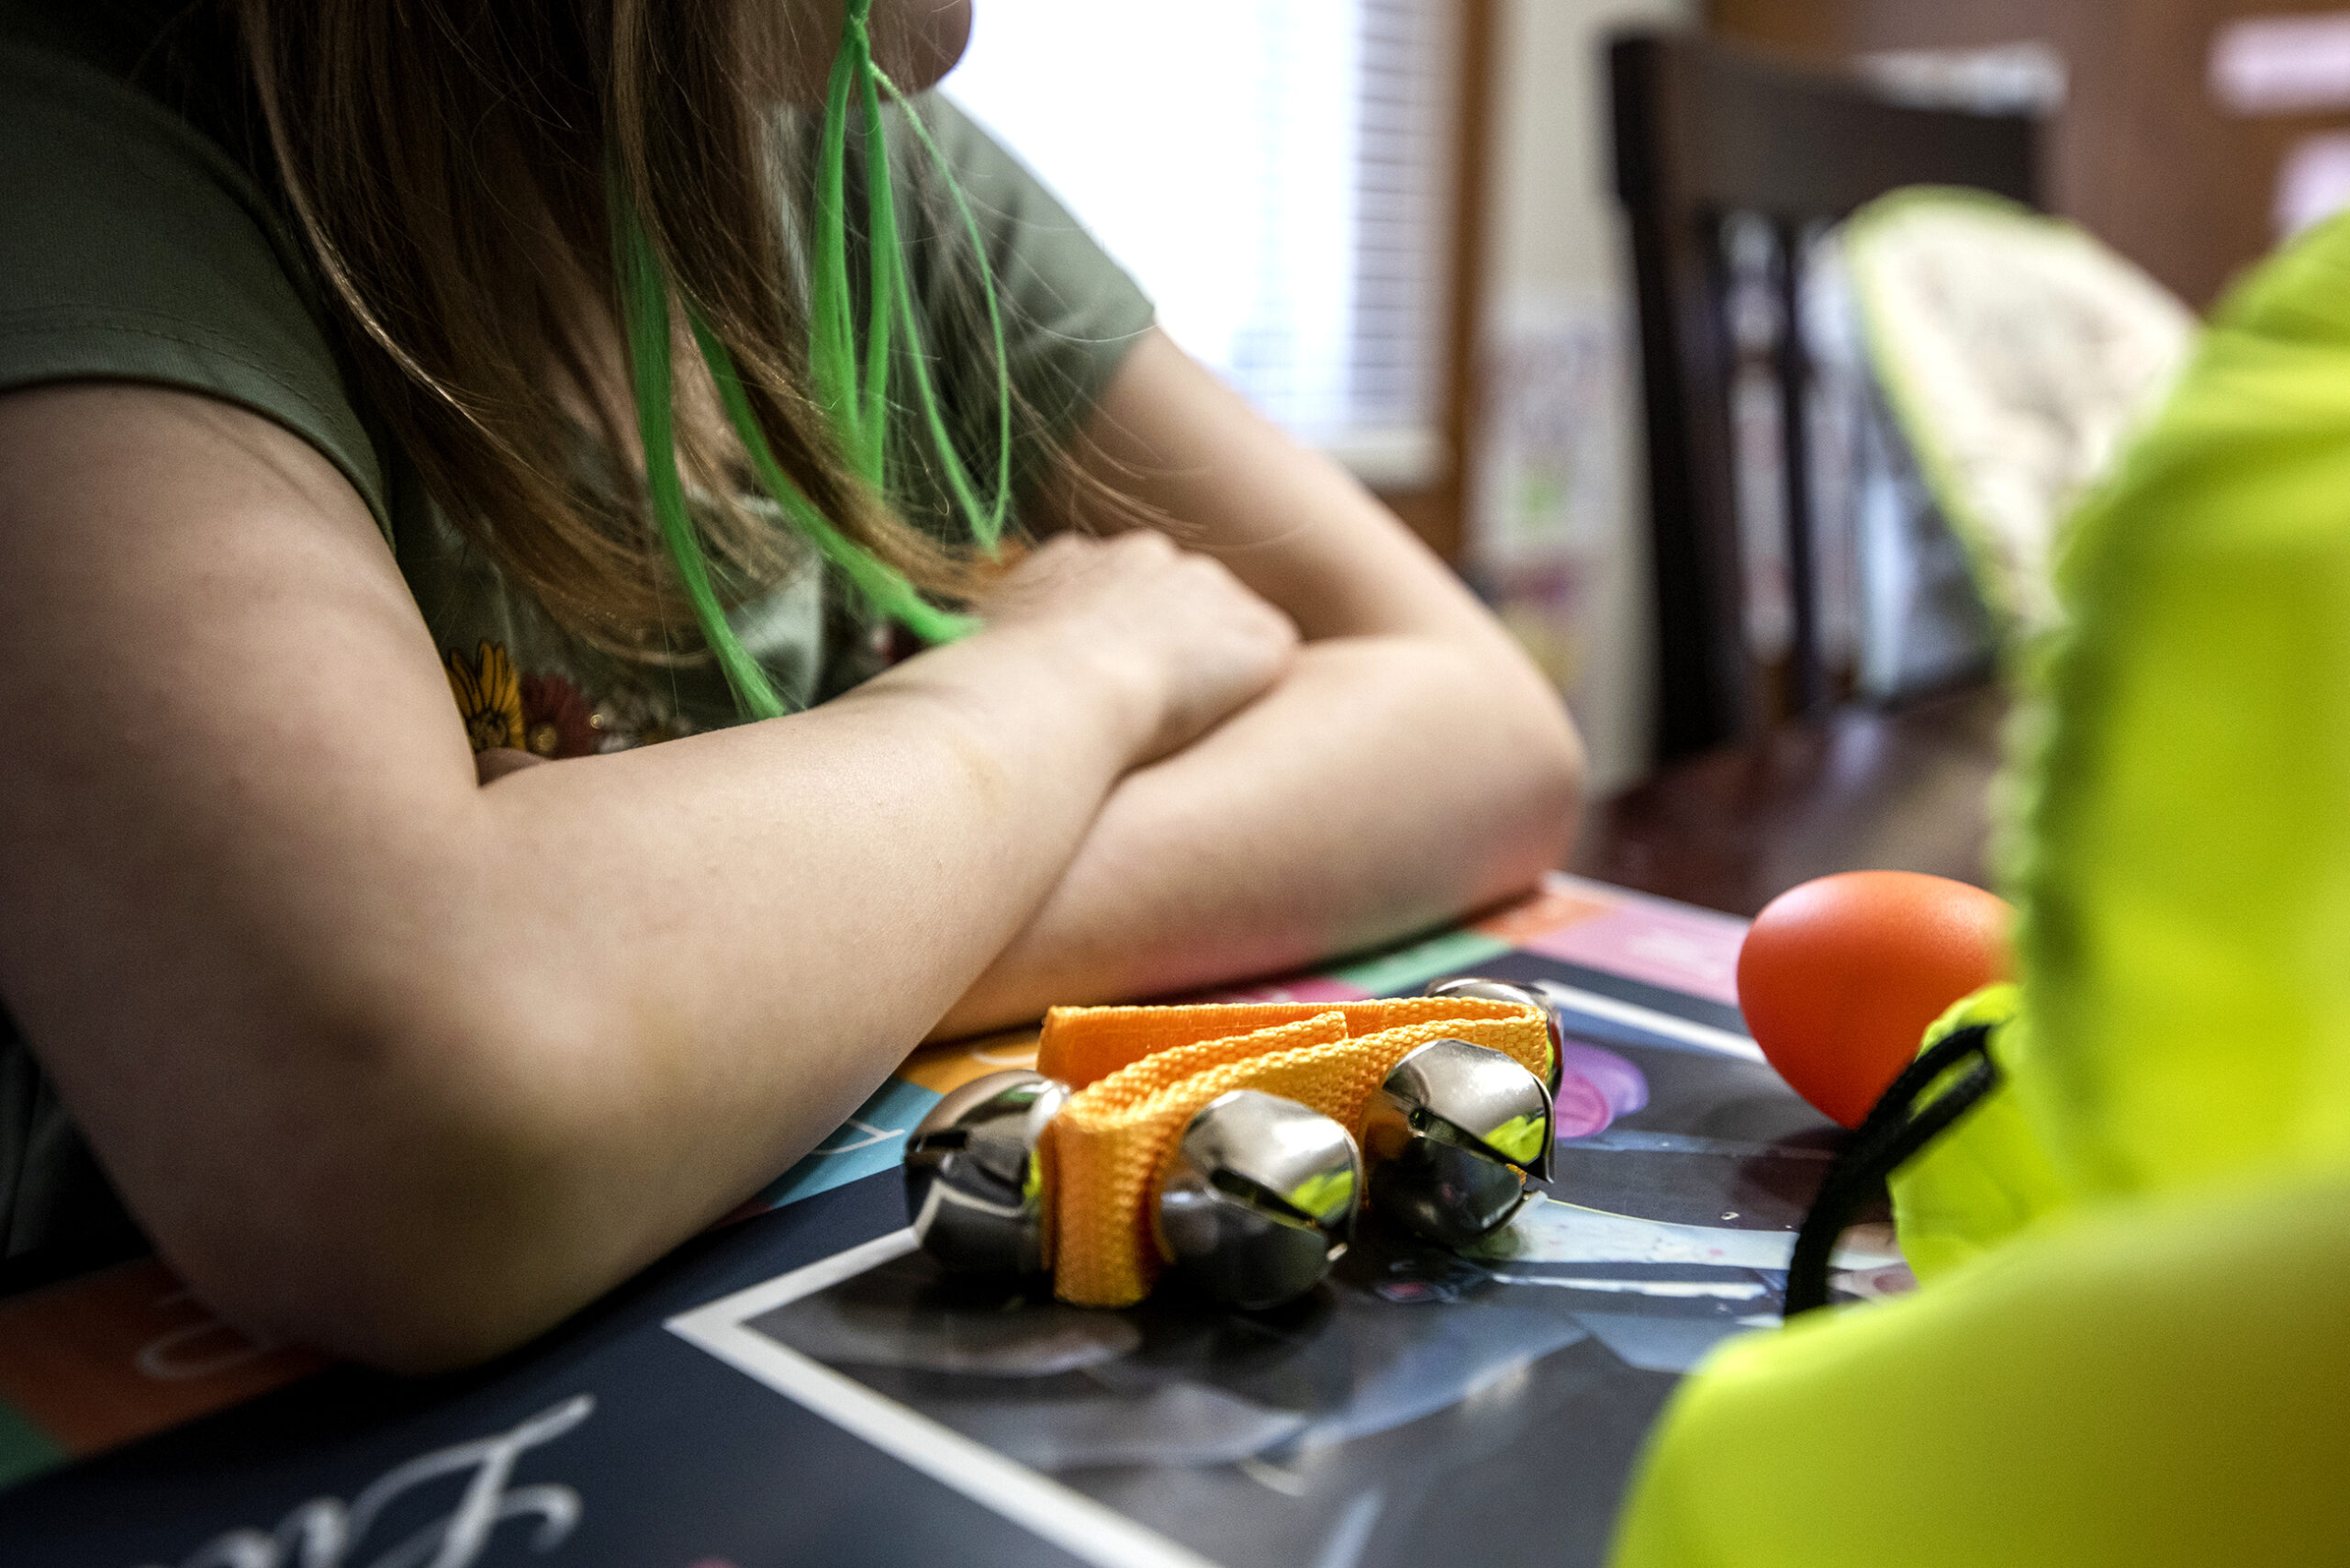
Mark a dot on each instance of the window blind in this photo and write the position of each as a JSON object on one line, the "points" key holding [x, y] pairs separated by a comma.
{"points": [[1273, 172]]}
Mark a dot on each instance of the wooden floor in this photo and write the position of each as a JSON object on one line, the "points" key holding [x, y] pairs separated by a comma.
{"points": [[1894, 789]]}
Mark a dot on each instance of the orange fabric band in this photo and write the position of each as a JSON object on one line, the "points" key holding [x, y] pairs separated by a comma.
{"points": [[1106, 1153], [1081, 1044]]}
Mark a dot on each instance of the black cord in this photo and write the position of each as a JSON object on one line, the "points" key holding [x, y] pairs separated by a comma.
{"points": [[1889, 1134]]}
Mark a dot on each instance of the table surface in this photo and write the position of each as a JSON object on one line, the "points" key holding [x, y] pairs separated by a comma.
{"points": [[795, 1387], [1891, 788]]}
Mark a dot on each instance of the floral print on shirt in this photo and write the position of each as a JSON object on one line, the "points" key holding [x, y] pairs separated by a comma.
{"points": [[489, 697], [546, 714], [556, 720]]}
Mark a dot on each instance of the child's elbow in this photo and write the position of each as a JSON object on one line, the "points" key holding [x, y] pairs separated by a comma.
{"points": [[1546, 787], [416, 1220]]}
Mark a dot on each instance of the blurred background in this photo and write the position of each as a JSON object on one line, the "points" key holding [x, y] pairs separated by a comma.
{"points": [[1401, 228]]}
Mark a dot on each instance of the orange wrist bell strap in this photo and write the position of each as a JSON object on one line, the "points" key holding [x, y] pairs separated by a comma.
{"points": [[1138, 1075]]}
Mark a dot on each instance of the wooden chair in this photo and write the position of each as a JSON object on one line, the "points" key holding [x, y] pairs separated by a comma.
{"points": [[1707, 137]]}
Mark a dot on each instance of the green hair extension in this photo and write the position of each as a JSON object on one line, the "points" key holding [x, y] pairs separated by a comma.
{"points": [[986, 520], [855, 400], [645, 310], [882, 587]]}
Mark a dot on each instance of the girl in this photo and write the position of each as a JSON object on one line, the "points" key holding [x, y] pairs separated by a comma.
{"points": [[356, 355]]}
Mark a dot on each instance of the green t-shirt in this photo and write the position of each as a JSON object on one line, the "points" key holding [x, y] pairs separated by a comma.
{"points": [[142, 238]]}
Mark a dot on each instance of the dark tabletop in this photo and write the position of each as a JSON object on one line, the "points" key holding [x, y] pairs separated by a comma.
{"points": [[1886, 789]]}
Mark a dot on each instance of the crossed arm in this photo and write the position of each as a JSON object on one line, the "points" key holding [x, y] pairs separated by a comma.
{"points": [[1412, 764], [412, 1067]]}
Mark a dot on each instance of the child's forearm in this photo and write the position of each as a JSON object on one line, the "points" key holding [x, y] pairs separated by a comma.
{"points": [[1386, 784], [408, 1066]]}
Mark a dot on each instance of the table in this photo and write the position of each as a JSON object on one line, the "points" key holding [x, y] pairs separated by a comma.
{"points": [[797, 1386], [1902, 788]]}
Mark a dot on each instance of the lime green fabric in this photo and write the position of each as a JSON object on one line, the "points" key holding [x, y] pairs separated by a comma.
{"points": [[2186, 880], [2150, 1367], [1986, 1177], [2134, 1385]]}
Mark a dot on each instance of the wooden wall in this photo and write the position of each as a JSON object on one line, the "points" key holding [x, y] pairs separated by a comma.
{"points": [[2142, 155], [1438, 512]]}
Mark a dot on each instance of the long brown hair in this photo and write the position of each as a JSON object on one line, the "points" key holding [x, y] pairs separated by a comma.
{"points": [[452, 163]]}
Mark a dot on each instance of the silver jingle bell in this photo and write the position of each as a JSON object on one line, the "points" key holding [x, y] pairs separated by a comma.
{"points": [[1527, 996], [1450, 1139], [1260, 1199], [974, 1189]]}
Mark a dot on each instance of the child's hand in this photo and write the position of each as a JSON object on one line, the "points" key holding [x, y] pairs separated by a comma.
{"points": [[1175, 627]]}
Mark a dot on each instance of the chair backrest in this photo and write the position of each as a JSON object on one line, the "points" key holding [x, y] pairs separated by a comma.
{"points": [[1712, 141]]}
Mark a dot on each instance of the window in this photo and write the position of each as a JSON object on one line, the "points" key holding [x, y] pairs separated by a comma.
{"points": [[1272, 172]]}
